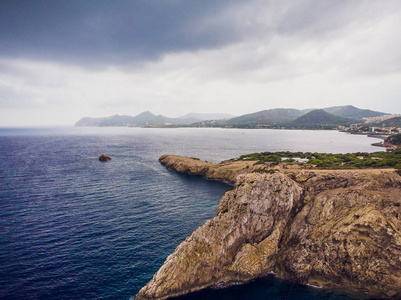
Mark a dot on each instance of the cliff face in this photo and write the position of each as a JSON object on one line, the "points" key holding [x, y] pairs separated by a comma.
{"points": [[347, 232], [326, 228]]}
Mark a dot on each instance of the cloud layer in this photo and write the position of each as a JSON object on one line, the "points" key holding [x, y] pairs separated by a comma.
{"points": [[97, 58]]}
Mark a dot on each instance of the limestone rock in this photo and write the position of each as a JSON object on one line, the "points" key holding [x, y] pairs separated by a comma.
{"points": [[239, 244], [347, 234], [225, 171], [334, 228]]}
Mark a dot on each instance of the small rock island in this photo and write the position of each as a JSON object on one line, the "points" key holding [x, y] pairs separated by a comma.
{"points": [[104, 157], [328, 228]]}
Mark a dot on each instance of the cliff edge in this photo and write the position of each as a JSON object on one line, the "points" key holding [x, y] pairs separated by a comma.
{"points": [[226, 171], [333, 228]]}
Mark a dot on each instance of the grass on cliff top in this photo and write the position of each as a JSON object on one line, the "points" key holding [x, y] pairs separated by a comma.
{"points": [[328, 160]]}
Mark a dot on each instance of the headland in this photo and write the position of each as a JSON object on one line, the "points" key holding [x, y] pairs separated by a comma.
{"points": [[328, 228]]}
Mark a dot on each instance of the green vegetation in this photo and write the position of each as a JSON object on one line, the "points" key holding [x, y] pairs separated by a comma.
{"points": [[394, 139], [328, 160], [262, 158]]}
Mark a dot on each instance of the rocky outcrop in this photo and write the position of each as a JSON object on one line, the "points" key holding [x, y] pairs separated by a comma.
{"points": [[388, 145], [226, 171], [104, 157], [326, 228]]}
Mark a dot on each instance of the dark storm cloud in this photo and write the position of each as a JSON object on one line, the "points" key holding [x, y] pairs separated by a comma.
{"points": [[126, 32], [97, 33], [116, 31]]}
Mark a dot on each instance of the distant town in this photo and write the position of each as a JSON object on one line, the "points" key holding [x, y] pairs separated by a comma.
{"points": [[382, 129]]}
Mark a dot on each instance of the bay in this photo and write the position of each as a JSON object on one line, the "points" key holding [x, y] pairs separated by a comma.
{"points": [[72, 227]]}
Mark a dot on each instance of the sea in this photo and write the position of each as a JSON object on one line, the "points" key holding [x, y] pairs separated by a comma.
{"points": [[72, 227]]}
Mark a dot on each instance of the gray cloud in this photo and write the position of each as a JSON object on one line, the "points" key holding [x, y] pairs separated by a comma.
{"points": [[130, 32], [111, 31]]}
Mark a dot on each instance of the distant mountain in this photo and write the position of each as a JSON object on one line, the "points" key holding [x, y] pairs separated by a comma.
{"points": [[319, 117], [203, 117], [143, 119], [266, 117], [336, 115], [272, 118], [353, 112], [89, 122]]}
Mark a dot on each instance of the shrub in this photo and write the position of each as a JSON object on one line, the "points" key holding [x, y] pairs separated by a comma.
{"points": [[328, 160]]}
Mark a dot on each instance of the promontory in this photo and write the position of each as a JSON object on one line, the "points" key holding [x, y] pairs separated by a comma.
{"points": [[328, 228]]}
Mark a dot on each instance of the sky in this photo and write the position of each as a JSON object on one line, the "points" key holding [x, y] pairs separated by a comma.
{"points": [[67, 59]]}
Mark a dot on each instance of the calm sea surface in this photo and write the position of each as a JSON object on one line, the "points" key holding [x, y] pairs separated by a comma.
{"points": [[72, 227]]}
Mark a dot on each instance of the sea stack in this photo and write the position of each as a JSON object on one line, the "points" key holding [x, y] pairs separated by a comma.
{"points": [[104, 157]]}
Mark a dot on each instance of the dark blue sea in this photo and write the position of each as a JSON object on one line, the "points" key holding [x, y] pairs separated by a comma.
{"points": [[72, 227]]}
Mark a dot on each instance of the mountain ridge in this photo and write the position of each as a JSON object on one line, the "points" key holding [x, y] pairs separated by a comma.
{"points": [[271, 118], [352, 112], [143, 119], [207, 116]]}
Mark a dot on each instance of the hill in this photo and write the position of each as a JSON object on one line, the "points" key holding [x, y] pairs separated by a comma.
{"points": [[319, 118], [143, 119], [393, 122], [204, 117], [89, 122], [283, 117], [266, 117], [352, 112]]}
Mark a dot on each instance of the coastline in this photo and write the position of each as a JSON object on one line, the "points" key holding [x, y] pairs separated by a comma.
{"points": [[388, 146], [269, 222]]}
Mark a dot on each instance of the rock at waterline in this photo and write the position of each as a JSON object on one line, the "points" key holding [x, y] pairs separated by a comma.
{"points": [[104, 157]]}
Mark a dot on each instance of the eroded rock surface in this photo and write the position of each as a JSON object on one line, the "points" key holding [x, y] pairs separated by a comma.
{"points": [[347, 233], [327, 228]]}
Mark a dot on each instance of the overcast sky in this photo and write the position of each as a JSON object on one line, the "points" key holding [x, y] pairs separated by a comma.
{"points": [[65, 59]]}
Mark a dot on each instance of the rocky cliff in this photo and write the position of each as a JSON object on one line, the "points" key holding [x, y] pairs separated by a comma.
{"points": [[226, 171], [322, 227]]}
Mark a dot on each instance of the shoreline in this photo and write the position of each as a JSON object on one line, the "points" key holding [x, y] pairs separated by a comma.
{"points": [[388, 146], [282, 222]]}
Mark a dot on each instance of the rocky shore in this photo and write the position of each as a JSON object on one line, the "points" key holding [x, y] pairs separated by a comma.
{"points": [[389, 146], [329, 228]]}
